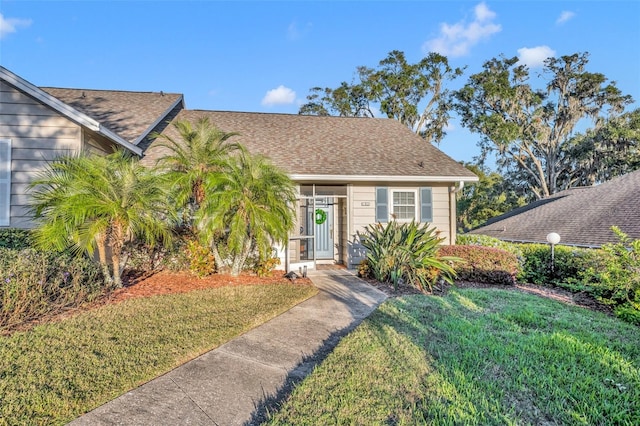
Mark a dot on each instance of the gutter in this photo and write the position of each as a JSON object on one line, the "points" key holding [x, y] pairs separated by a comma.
{"points": [[379, 178]]}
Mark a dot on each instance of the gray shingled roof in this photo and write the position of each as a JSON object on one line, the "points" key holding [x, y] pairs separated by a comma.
{"points": [[582, 216], [130, 115], [311, 145]]}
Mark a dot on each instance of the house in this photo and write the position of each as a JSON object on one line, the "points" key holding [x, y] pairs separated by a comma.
{"points": [[582, 216], [350, 172], [39, 124]]}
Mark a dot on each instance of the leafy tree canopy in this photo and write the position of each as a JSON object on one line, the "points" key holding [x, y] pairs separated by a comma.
{"points": [[491, 196], [399, 88], [531, 128]]}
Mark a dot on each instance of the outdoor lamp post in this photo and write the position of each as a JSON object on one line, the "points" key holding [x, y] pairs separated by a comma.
{"points": [[553, 238]]}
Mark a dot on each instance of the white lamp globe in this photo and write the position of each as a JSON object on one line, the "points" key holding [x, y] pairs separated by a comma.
{"points": [[553, 238]]}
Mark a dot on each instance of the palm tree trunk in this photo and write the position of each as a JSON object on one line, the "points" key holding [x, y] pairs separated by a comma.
{"points": [[117, 276], [240, 258], [102, 257], [216, 257]]}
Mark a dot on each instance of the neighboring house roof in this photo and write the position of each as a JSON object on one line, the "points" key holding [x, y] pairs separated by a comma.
{"points": [[130, 115], [65, 109], [316, 148], [582, 216]]}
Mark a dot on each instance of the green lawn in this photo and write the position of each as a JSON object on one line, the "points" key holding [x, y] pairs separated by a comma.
{"points": [[55, 372], [476, 356]]}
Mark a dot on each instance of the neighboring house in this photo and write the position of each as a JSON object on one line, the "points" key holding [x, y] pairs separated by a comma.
{"points": [[350, 172], [582, 216]]}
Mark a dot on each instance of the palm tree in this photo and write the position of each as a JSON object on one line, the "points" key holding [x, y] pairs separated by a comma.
{"points": [[195, 158], [90, 202], [251, 203]]}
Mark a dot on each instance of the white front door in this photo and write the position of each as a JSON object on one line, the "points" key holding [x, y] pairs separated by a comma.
{"points": [[323, 220]]}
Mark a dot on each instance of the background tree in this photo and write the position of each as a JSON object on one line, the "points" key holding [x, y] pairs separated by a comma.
{"points": [[91, 202], [610, 151], [530, 129], [251, 204], [399, 88], [491, 196], [345, 101]]}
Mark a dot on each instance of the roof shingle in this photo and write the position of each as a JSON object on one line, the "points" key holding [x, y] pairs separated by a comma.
{"points": [[337, 146], [130, 115], [582, 216]]}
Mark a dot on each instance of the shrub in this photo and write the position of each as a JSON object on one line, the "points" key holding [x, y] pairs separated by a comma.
{"points": [[363, 269], [405, 254], [144, 258], [201, 260], [570, 264], [13, 238], [264, 267], [617, 281], [486, 241], [35, 284], [488, 265]]}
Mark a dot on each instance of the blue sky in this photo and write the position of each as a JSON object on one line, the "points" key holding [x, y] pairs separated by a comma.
{"points": [[265, 56]]}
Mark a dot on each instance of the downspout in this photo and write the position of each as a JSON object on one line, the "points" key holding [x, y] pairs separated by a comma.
{"points": [[452, 211]]}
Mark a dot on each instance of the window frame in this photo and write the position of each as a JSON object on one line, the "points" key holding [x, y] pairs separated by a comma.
{"points": [[416, 204]]}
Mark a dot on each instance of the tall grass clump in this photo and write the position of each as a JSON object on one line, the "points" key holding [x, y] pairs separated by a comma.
{"points": [[406, 254], [36, 284]]}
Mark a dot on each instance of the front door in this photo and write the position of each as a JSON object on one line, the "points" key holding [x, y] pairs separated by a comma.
{"points": [[323, 219]]}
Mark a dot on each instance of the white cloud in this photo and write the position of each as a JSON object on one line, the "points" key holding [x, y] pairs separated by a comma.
{"points": [[457, 39], [564, 17], [295, 32], [11, 25], [534, 57], [279, 96]]}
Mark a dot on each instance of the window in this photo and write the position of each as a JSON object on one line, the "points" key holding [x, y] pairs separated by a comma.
{"points": [[5, 181], [404, 205]]}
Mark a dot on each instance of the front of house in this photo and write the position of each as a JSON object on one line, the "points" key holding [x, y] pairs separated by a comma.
{"points": [[350, 172]]}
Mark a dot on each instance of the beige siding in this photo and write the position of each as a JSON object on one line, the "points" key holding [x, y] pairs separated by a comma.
{"points": [[96, 144], [38, 134], [363, 207]]}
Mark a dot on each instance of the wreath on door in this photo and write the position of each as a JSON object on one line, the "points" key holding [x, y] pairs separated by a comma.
{"points": [[321, 216]]}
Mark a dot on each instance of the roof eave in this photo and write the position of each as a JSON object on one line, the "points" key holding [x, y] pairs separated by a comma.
{"points": [[64, 109], [380, 178]]}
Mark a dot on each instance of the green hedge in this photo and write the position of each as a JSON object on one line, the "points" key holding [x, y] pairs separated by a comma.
{"points": [[487, 265], [569, 267], [611, 274]]}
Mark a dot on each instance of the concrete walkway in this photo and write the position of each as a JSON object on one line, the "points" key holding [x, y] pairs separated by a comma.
{"points": [[235, 383]]}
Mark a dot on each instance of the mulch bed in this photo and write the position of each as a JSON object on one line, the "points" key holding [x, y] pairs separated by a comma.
{"points": [[166, 282]]}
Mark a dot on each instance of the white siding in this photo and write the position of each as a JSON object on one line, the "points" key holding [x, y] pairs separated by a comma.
{"points": [[38, 134]]}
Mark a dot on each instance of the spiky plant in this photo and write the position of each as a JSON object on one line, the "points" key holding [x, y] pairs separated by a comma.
{"points": [[406, 253]]}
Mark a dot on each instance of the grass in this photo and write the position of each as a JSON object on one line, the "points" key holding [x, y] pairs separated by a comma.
{"points": [[55, 372], [476, 356]]}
